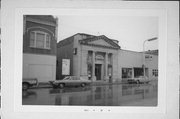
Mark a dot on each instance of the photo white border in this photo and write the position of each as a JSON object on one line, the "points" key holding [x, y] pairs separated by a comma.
{"points": [[161, 14], [12, 60]]}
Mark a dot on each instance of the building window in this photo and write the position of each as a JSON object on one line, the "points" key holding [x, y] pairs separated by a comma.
{"points": [[39, 39], [126, 72], [155, 72]]}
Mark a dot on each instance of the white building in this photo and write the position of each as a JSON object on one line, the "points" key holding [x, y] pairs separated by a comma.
{"points": [[99, 58]]}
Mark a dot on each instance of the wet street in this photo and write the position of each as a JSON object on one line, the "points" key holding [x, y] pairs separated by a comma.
{"points": [[104, 95]]}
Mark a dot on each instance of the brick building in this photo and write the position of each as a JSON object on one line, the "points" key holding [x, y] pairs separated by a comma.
{"points": [[39, 47]]}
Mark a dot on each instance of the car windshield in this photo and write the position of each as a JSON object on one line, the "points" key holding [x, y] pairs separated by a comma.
{"points": [[67, 78]]}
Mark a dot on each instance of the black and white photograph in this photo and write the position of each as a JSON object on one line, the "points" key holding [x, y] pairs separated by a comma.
{"points": [[90, 60], [0, 58]]}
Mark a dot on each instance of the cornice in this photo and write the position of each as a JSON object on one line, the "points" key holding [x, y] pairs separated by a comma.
{"points": [[40, 22]]}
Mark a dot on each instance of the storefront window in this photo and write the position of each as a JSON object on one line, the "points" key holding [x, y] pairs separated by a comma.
{"points": [[138, 72], [126, 72]]}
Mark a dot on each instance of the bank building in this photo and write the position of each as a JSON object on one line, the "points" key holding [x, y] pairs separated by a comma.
{"points": [[101, 59]]}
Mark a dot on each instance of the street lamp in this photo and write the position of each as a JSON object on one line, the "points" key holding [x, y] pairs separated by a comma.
{"points": [[152, 39]]}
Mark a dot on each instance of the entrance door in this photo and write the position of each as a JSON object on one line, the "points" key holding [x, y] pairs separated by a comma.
{"points": [[98, 71]]}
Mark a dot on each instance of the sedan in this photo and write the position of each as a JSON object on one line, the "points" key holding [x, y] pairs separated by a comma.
{"points": [[70, 81], [138, 80]]}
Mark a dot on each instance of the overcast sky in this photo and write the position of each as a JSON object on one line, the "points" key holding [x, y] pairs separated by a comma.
{"points": [[129, 31], [0, 18]]}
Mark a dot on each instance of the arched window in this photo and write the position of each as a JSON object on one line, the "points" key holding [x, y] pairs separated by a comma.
{"points": [[40, 39]]}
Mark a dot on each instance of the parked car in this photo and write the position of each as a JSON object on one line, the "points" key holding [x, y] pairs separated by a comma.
{"points": [[132, 81], [138, 80], [29, 82], [70, 81]]}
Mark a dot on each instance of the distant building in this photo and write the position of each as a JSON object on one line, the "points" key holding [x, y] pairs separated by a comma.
{"points": [[99, 58], [39, 47]]}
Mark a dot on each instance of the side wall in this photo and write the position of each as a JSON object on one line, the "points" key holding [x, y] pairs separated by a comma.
{"points": [[40, 27], [77, 57], [152, 64], [42, 67], [129, 59], [64, 52]]}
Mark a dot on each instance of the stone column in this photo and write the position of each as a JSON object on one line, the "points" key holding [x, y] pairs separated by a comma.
{"points": [[93, 66], [133, 73], [112, 64], [106, 78]]}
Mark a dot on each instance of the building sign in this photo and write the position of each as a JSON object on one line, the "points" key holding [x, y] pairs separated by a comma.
{"points": [[99, 57], [65, 66], [148, 57]]}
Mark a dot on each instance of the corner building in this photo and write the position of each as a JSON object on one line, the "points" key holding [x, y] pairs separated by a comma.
{"points": [[39, 47], [98, 58]]}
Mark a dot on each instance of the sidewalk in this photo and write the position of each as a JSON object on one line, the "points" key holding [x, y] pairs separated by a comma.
{"points": [[48, 85], [44, 85]]}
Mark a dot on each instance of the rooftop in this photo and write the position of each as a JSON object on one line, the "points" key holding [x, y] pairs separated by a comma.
{"points": [[87, 39], [48, 18]]}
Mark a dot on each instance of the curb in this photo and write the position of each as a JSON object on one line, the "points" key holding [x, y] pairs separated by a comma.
{"points": [[48, 85], [44, 85]]}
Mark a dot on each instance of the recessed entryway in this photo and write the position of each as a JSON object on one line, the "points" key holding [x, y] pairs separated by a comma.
{"points": [[98, 71]]}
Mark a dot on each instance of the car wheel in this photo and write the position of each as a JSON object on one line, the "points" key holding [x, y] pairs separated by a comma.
{"points": [[138, 82], [25, 86], [55, 86], [83, 84], [61, 85]]}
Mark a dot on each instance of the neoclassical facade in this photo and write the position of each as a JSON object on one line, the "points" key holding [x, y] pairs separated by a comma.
{"points": [[99, 58]]}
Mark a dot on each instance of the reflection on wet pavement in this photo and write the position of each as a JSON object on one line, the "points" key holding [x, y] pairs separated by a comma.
{"points": [[105, 95]]}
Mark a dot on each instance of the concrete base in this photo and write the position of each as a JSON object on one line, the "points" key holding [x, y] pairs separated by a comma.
{"points": [[93, 78], [106, 79]]}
